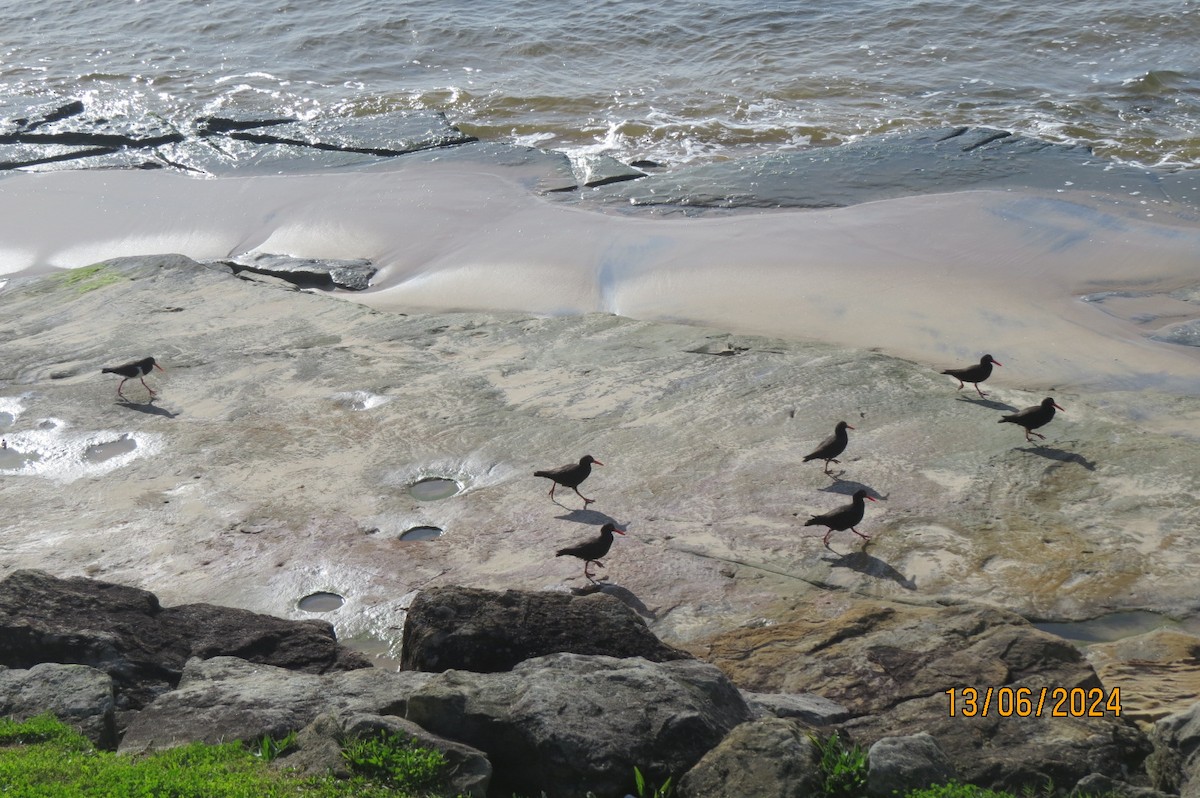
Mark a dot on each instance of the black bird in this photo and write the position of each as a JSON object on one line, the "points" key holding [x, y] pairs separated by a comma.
{"points": [[845, 517], [832, 446], [1033, 417], [592, 550], [570, 476], [138, 368], [974, 374]]}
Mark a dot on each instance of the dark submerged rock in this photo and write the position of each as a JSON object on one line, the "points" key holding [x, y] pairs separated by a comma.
{"points": [[353, 275], [124, 632], [887, 166], [487, 632]]}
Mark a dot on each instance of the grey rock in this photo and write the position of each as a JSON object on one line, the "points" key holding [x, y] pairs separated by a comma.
{"points": [[898, 765], [75, 694], [470, 770], [1097, 784], [567, 724], [226, 698], [769, 758], [488, 631], [813, 709], [126, 633], [1174, 766], [319, 747]]}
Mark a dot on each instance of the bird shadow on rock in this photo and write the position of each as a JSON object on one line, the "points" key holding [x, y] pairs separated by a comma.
{"points": [[849, 487], [991, 404], [623, 595], [869, 565], [1049, 452], [147, 407], [591, 517]]}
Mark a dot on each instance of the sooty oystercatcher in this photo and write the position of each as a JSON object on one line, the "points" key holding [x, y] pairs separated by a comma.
{"points": [[845, 517], [592, 550], [832, 446], [570, 476], [1033, 417], [138, 368], [974, 374]]}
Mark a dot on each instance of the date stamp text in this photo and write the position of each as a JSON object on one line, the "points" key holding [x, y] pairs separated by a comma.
{"points": [[1028, 702]]}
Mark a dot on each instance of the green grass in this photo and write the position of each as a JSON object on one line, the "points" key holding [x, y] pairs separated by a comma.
{"points": [[43, 758], [89, 278]]}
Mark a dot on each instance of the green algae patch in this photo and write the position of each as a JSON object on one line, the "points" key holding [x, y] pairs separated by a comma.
{"points": [[89, 278]]}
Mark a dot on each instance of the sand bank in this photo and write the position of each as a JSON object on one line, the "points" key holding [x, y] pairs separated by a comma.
{"points": [[939, 278]]}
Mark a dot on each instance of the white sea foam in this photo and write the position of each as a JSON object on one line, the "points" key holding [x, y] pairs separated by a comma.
{"points": [[360, 400], [57, 452]]}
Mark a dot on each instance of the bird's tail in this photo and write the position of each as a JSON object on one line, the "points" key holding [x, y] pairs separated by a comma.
{"points": [[810, 457], [562, 553], [1006, 418], [812, 521], [542, 474], [108, 371]]}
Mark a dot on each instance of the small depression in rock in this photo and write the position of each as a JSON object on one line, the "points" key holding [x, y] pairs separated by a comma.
{"points": [[6, 419], [320, 602], [421, 533], [99, 452], [428, 490], [1117, 626]]}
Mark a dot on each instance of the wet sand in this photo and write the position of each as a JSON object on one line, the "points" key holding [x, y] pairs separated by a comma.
{"points": [[939, 278]]}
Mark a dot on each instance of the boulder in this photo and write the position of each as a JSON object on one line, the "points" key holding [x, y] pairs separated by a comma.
{"points": [[898, 765], [1095, 784], [567, 724], [75, 694], [226, 698], [892, 665], [318, 750], [143, 646], [487, 631], [1174, 766], [812, 709], [769, 758]]}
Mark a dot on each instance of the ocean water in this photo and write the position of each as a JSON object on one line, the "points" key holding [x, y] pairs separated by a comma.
{"points": [[680, 82]]}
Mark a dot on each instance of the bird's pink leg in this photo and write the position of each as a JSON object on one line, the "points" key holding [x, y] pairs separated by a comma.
{"points": [[860, 534], [981, 393], [825, 539], [586, 500], [961, 384], [553, 485], [119, 387], [1029, 432], [147, 387]]}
